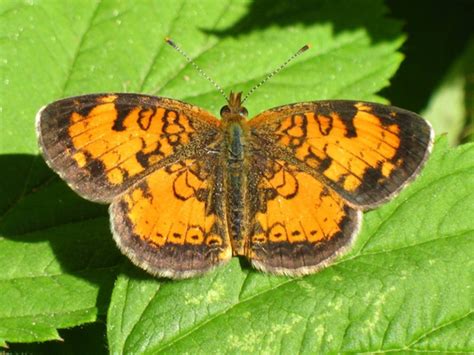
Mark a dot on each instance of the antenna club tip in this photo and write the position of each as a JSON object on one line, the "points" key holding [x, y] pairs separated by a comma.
{"points": [[169, 41], [306, 47]]}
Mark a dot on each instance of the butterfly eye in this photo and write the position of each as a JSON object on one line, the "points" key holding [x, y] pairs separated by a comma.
{"points": [[225, 110], [243, 111]]}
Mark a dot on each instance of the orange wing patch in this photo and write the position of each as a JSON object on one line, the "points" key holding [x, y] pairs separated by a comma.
{"points": [[126, 145], [347, 159], [366, 152], [300, 224], [101, 144], [171, 223]]}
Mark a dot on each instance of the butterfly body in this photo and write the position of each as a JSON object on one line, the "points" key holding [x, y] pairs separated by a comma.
{"points": [[187, 191], [236, 169], [235, 162]]}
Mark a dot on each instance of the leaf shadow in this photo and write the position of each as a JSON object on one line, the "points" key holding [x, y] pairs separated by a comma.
{"points": [[432, 46], [341, 15], [38, 207]]}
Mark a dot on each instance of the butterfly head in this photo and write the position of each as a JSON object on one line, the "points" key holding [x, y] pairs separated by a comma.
{"points": [[234, 109]]}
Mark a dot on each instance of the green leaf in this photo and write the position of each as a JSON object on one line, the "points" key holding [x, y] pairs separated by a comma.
{"points": [[57, 256], [57, 259], [54, 278]]}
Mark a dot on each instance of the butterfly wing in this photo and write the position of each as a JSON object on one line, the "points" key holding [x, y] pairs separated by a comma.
{"points": [[102, 144], [140, 153], [314, 167], [172, 222], [298, 224], [366, 152]]}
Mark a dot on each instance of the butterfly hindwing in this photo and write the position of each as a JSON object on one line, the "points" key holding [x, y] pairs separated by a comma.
{"points": [[297, 223], [172, 222]]}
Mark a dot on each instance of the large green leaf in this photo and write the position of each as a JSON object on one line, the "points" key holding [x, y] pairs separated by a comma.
{"points": [[57, 257]]}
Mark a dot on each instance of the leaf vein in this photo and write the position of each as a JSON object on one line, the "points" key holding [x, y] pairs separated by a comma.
{"points": [[78, 50]]}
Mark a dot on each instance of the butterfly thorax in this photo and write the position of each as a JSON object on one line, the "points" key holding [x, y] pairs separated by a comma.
{"points": [[236, 169]]}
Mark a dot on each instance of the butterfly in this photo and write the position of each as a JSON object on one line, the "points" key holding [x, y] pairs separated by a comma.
{"points": [[188, 191]]}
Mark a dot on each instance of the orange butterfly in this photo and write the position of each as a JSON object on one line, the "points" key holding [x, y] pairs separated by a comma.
{"points": [[188, 191]]}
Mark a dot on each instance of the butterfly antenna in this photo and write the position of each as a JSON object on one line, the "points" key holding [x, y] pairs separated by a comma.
{"points": [[271, 74], [197, 67]]}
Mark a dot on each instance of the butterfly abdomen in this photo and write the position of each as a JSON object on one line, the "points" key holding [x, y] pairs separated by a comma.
{"points": [[236, 181]]}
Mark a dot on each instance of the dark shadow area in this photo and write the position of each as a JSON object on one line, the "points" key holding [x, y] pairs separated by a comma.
{"points": [[85, 339], [342, 15], [245, 264], [437, 34], [468, 133], [133, 272], [29, 185], [37, 206], [21, 174]]}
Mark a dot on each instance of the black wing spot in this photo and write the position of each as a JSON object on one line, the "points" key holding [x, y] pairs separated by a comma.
{"points": [[121, 115]]}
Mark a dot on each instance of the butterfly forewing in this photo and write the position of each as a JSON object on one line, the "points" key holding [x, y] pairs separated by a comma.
{"points": [[102, 144], [364, 151]]}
